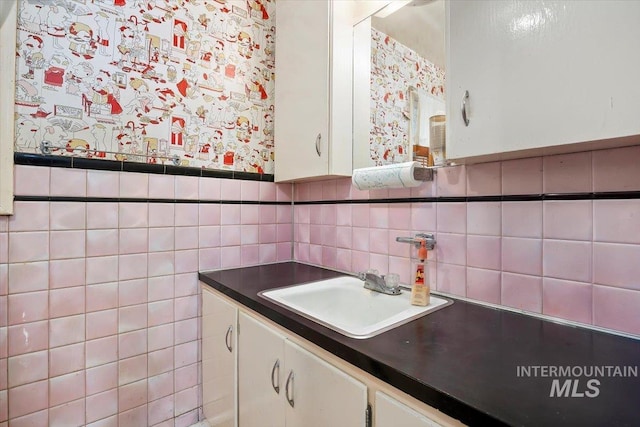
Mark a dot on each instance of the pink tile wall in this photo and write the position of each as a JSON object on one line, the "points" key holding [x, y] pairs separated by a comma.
{"points": [[99, 302], [107, 292], [574, 260]]}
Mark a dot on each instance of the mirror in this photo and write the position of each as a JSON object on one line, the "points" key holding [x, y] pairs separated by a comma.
{"points": [[399, 75]]}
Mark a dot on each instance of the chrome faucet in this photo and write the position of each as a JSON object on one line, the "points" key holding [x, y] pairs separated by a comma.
{"points": [[377, 283]]}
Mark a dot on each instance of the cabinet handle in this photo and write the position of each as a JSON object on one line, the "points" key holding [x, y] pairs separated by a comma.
{"points": [[286, 389], [275, 386], [318, 139], [465, 97], [227, 338]]}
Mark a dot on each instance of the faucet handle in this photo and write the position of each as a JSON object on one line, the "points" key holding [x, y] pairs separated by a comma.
{"points": [[370, 272], [392, 280]]}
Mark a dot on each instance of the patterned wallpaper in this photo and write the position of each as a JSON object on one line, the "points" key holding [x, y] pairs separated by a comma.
{"points": [[395, 68], [127, 79]]}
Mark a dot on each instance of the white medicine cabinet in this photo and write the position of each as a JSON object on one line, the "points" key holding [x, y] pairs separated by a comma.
{"points": [[312, 126], [542, 77]]}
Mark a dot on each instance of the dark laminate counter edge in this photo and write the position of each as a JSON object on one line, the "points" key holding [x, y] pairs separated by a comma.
{"points": [[242, 286]]}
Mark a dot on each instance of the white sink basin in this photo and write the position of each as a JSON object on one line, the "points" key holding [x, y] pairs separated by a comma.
{"points": [[344, 305]]}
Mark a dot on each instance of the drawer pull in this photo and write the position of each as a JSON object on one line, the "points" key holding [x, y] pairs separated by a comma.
{"points": [[227, 339], [289, 386], [318, 140], [276, 366], [465, 118]]}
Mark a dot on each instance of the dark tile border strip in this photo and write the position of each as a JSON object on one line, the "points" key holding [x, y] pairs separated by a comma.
{"points": [[143, 200], [611, 195], [618, 195], [30, 159]]}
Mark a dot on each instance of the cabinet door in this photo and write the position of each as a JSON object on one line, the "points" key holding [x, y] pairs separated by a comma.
{"points": [[391, 413], [219, 324], [320, 395], [541, 74], [260, 374], [302, 89]]}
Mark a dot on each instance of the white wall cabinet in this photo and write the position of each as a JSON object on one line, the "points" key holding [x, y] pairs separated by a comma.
{"points": [[313, 89], [542, 76], [281, 383], [219, 360]]}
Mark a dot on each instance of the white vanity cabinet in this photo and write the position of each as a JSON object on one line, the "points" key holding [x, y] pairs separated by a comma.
{"points": [[541, 76], [390, 412], [281, 383], [313, 89], [273, 378], [219, 360]]}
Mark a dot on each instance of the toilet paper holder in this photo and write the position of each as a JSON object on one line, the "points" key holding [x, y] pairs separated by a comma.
{"points": [[394, 175]]}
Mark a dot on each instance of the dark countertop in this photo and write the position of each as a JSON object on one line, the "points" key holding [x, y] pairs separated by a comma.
{"points": [[463, 359]]}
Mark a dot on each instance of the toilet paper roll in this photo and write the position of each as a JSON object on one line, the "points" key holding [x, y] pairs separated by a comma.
{"points": [[397, 175]]}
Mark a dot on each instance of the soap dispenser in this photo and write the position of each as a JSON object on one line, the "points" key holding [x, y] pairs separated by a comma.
{"points": [[420, 290]]}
